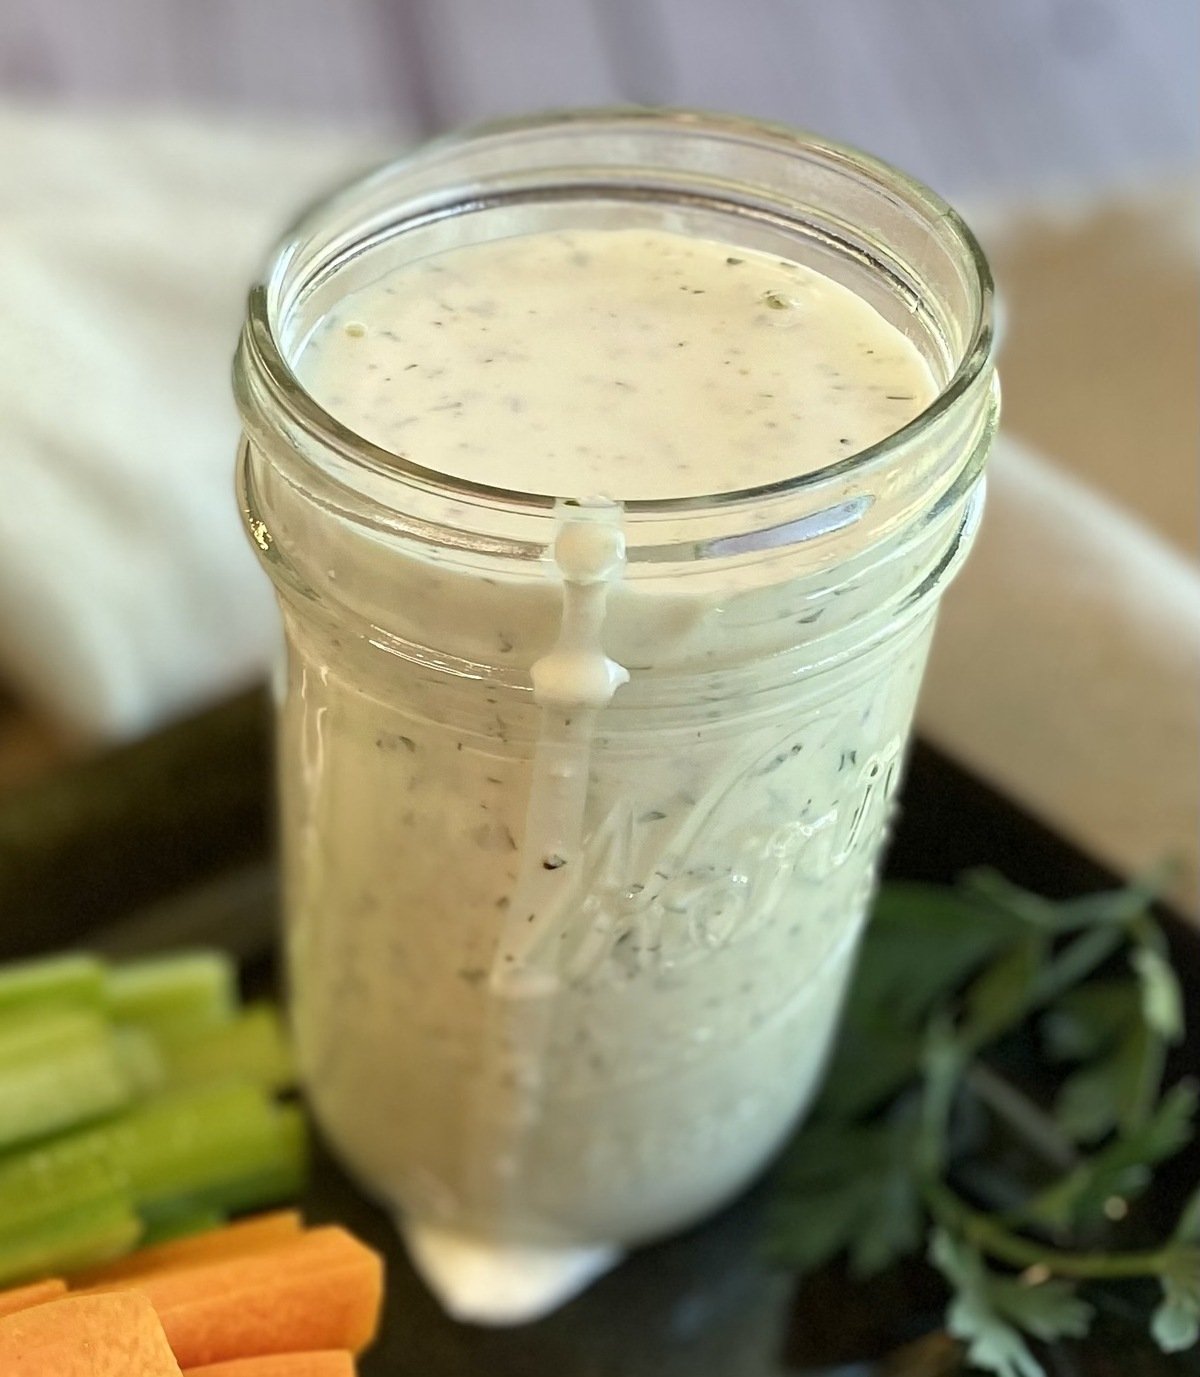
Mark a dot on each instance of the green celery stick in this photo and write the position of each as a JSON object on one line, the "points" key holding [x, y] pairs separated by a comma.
{"points": [[141, 1059], [61, 1208], [74, 979], [282, 1179], [88, 1234], [187, 1148], [181, 1223], [185, 1143], [58, 1067], [181, 991], [62, 1176], [244, 1152], [186, 1153], [252, 1047]]}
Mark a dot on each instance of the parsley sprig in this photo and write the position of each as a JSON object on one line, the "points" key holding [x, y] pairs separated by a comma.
{"points": [[930, 1138]]}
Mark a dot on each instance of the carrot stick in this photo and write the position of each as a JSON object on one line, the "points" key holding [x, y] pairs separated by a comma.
{"points": [[116, 1335], [26, 1297], [327, 1364], [321, 1290]]}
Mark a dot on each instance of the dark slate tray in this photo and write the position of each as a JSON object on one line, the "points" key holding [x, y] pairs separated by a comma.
{"points": [[167, 843]]}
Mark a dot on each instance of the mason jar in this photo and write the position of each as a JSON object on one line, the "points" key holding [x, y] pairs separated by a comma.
{"points": [[567, 975]]}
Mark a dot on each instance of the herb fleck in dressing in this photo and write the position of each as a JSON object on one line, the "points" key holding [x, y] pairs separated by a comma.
{"points": [[706, 907]]}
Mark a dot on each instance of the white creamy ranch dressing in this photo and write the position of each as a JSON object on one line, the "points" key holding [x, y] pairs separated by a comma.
{"points": [[564, 973], [620, 363]]}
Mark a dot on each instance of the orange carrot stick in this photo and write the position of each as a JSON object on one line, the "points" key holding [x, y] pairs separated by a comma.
{"points": [[327, 1364], [321, 1290], [115, 1335], [36, 1293], [246, 1236]]}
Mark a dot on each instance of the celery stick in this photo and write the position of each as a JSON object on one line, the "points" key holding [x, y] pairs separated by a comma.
{"points": [[141, 1059], [63, 1176], [281, 1179], [58, 1067], [184, 990], [191, 1155], [182, 1143], [90, 1233], [221, 1147], [180, 1223], [250, 1047], [26, 1033], [187, 1148], [61, 1208], [74, 979]]}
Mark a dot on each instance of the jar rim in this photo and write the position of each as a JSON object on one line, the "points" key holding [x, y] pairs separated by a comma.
{"points": [[276, 374]]}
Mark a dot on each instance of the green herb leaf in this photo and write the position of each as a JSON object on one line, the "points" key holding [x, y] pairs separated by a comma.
{"points": [[1107, 1024], [1081, 956], [1112, 1092], [1087, 1021], [853, 1191], [1117, 907], [1121, 906], [1048, 1310], [902, 1140], [998, 999], [869, 1067], [1087, 1106], [992, 891], [1187, 1229], [1175, 1324], [987, 1312], [924, 942], [943, 1063], [1122, 1170], [1162, 1000], [807, 1231]]}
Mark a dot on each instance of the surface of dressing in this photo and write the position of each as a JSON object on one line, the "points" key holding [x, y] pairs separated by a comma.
{"points": [[623, 363], [565, 973]]}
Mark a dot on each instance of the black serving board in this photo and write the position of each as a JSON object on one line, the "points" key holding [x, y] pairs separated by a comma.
{"points": [[167, 843]]}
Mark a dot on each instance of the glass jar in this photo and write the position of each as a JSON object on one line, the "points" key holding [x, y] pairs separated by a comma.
{"points": [[569, 977]]}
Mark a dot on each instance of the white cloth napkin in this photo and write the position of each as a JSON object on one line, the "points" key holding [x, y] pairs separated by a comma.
{"points": [[1067, 669], [128, 594]]}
